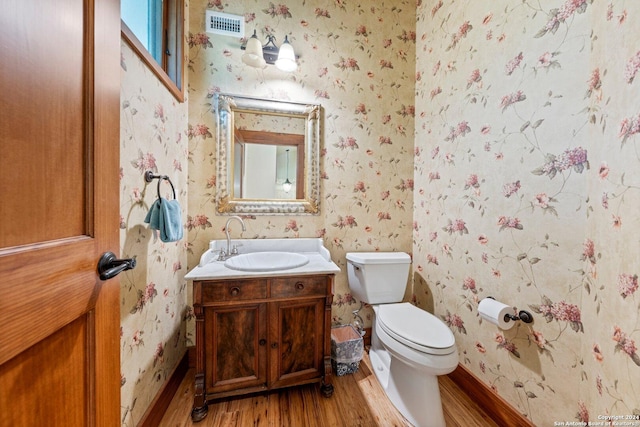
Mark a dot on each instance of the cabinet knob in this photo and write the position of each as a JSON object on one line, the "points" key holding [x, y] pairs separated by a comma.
{"points": [[262, 341], [274, 345], [234, 291], [299, 286]]}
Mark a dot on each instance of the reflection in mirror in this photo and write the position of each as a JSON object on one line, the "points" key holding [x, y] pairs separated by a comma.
{"points": [[268, 152], [268, 156], [262, 171]]}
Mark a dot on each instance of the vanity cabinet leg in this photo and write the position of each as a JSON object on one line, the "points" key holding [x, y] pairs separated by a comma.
{"points": [[326, 389], [327, 380], [200, 408]]}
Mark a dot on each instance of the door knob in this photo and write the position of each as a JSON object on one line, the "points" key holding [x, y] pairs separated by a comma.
{"points": [[109, 266]]}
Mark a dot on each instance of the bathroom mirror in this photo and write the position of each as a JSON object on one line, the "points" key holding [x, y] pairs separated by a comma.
{"points": [[268, 156]]}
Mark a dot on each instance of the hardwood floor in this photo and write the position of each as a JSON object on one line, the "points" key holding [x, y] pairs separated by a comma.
{"points": [[358, 400]]}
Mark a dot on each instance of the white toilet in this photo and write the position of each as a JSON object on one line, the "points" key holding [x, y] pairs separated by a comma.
{"points": [[409, 346]]}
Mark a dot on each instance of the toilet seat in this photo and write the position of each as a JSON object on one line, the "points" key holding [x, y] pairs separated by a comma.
{"points": [[416, 328]]}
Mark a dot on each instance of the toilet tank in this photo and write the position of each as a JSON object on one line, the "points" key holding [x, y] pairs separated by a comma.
{"points": [[378, 277]]}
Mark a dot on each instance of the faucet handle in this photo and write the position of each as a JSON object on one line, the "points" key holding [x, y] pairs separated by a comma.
{"points": [[223, 255], [234, 251]]}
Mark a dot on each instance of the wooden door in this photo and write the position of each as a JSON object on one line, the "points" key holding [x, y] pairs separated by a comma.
{"points": [[296, 337], [235, 347], [59, 145]]}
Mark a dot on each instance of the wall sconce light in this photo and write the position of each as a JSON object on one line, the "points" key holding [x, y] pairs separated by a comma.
{"points": [[258, 56]]}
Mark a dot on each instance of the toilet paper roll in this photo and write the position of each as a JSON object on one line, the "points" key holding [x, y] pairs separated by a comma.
{"points": [[494, 311]]}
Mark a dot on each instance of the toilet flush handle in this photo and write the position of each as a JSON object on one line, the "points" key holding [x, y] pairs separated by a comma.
{"points": [[356, 266]]}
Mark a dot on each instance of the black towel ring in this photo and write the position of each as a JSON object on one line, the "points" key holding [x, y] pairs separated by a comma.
{"points": [[149, 176]]}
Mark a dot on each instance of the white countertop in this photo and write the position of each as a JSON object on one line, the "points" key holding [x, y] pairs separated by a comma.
{"points": [[211, 269]]}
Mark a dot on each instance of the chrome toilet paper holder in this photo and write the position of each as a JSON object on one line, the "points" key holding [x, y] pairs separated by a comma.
{"points": [[523, 315]]}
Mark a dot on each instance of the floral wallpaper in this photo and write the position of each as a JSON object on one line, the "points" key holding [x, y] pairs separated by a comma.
{"points": [[153, 297], [357, 60], [526, 189], [494, 141]]}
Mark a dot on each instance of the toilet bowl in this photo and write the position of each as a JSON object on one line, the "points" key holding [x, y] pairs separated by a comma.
{"points": [[409, 346]]}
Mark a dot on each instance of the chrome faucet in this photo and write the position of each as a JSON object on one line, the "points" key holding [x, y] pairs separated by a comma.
{"points": [[229, 253]]}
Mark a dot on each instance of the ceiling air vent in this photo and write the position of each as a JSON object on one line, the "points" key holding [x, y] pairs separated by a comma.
{"points": [[225, 24]]}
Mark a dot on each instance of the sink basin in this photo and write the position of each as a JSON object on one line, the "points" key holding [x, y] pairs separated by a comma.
{"points": [[266, 261]]}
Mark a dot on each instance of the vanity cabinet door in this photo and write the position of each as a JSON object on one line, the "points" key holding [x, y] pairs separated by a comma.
{"points": [[296, 340], [236, 347]]}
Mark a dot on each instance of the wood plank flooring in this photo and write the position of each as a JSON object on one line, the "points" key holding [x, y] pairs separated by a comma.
{"points": [[358, 401]]}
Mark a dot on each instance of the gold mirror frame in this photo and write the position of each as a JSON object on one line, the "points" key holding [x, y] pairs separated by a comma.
{"points": [[225, 106]]}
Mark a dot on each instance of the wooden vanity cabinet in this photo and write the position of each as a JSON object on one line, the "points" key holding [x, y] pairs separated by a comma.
{"points": [[259, 334]]}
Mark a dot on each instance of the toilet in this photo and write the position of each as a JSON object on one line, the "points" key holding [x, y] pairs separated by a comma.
{"points": [[409, 346]]}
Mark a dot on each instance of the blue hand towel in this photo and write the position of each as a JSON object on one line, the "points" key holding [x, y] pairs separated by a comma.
{"points": [[165, 216]]}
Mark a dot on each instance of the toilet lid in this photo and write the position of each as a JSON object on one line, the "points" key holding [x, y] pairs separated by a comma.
{"points": [[416, 328]]}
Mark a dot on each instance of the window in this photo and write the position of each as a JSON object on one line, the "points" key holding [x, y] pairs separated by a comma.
{"points": [[155, 31]]}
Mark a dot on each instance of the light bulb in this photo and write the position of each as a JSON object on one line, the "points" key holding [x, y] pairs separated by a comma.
{"points": [[253, 53], [286, 57], [286, 186]]}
